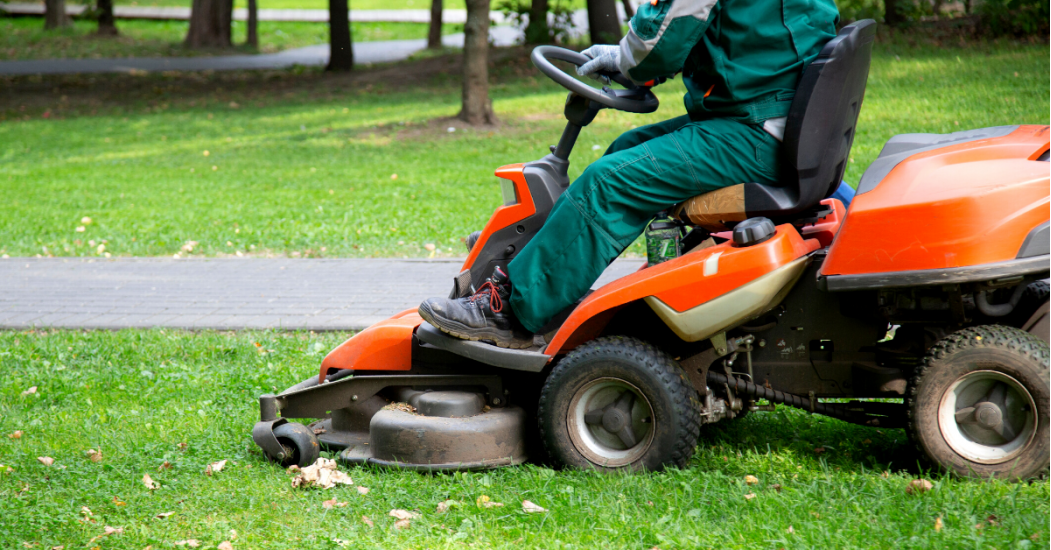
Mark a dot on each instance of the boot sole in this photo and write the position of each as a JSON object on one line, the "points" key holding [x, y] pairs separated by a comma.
{"points": [[501, 338]]}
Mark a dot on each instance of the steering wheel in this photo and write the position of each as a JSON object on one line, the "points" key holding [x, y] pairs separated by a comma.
{"points": [[633, 99]]}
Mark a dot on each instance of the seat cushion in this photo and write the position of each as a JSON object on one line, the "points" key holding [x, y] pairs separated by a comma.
{"points": [[712, 210]]}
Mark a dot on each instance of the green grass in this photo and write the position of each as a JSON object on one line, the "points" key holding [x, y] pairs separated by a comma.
{"points": [[323, 4], [137, 395], [303, 163], [24, 38]]}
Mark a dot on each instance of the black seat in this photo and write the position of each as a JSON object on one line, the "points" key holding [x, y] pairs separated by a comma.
{"points": [[818, 135]]}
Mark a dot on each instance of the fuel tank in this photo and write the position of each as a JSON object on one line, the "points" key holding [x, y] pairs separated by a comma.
{"points": [[947, 201]]}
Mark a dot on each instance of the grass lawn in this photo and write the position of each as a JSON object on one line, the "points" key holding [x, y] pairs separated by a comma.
{"points": [[138, 396], [25, 38], [303, 163], [354, 4]]}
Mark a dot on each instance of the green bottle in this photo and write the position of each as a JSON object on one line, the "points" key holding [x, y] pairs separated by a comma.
{"points": [[663, 240]]}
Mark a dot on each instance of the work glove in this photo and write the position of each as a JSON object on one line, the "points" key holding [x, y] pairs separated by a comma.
{"points": [[603, 58]]}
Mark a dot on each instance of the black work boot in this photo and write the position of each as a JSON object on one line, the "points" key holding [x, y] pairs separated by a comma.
{"points": [[486, 315]]}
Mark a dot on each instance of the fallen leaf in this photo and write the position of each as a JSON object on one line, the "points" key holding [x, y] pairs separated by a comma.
{"points": [[225, 545], [367, 521], [917, 486], [938, 525], [118, 502], [17, 434], [149, 483], [85, 511], [750, 480], [85, 220], [402, 514], [93, 455], [233, 534], [993, 520], [429, 247], [182, 446], [80, 229], [58, 548], [214, 467], [1035, 536], [790, 530], [394, 176], [819, 450], [163, 515], [444, 505], [165, 466], [333, 503], [46, 460], [323, 474], [292, 469], [530, 508], [749, 496], [776, 487], [192, 543], [107, 531], [30, 391], [402, 524], [363, 490], [485, 502], [866, 442], [885, 474]]}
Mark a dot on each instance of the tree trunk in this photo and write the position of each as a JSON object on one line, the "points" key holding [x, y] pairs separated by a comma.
{"points": [[477, 108], [537, 32], [603, 22], [55, 14], [107, 25], [629, 11], [341, 50], [890, 13], [253, 24], [434, 33], [210, 24]]}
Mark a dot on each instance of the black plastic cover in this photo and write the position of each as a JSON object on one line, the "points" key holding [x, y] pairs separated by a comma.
{"points": [[1037, 242]]}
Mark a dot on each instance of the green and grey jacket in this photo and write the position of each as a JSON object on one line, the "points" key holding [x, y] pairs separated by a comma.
{"points": [[740, 59]]}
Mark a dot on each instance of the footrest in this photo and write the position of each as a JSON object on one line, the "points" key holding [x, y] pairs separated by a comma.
{"points": [[515, 359]]}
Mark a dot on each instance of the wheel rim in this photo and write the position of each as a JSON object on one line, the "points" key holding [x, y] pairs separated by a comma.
{"points": [[610, 422], [987, 417]]}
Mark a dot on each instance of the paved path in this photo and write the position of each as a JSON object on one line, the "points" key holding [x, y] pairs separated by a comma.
{"points": [[387, 51], [310, 294], [241, 14]]}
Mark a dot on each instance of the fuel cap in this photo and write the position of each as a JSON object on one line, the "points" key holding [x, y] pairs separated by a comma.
{"points": [[753, 231]]}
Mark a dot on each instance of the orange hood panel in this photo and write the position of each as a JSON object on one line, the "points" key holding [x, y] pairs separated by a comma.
{"points": [[957, 206]]}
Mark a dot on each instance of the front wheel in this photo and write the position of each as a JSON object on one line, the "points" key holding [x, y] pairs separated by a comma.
{"points": [[619, 403], [300, 445], [979, 405]]}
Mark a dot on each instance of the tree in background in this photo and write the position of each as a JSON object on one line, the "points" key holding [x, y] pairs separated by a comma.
{"points": [[107, 24], [603, 22], [434, 32], [55, 14], [538, 32], [210, 24], [252, 39], [477, 108], [341, 50]]}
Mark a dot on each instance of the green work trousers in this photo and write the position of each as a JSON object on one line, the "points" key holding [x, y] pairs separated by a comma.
{"points": [[644, 171]]}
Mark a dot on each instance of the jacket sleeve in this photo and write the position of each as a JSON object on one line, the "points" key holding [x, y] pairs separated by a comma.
{"points": [[660, 37]]}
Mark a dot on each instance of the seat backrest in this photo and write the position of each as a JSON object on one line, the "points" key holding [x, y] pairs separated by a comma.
{"points": [[820, 126]]}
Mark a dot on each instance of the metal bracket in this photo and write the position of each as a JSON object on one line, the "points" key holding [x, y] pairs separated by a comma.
{"points": [[263, 435]]}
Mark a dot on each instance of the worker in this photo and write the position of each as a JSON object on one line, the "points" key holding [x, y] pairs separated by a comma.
{"points": [[741, 62]]}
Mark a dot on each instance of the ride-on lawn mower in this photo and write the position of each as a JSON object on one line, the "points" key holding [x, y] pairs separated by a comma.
{"points": [[924, 307]]}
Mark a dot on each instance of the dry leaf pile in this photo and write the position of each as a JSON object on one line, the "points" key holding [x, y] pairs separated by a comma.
{"points": [[322, 474]]}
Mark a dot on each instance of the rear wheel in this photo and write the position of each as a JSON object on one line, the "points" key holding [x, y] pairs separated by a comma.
{"points": [[979, 405], [619, 403]]}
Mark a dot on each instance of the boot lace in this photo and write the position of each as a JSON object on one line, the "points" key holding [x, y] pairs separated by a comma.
{"points": [[496, 304]]}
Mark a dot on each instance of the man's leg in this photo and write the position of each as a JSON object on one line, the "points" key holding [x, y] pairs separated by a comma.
{"points": [[607, 208], [642, 134]]}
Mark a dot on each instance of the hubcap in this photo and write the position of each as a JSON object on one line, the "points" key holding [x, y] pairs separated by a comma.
{"points": [[987, 417], [610, 422]]}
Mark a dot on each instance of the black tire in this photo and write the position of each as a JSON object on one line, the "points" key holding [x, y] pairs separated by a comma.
{"points": [[300, 444], [662, 412], [968, 381], [1034, 296]]}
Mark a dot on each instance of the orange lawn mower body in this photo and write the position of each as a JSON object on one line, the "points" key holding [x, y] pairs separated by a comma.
{"points": [[805, 304]]}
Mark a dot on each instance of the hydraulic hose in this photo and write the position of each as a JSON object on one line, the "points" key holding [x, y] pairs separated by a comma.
{"points": [[999, 310]]}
